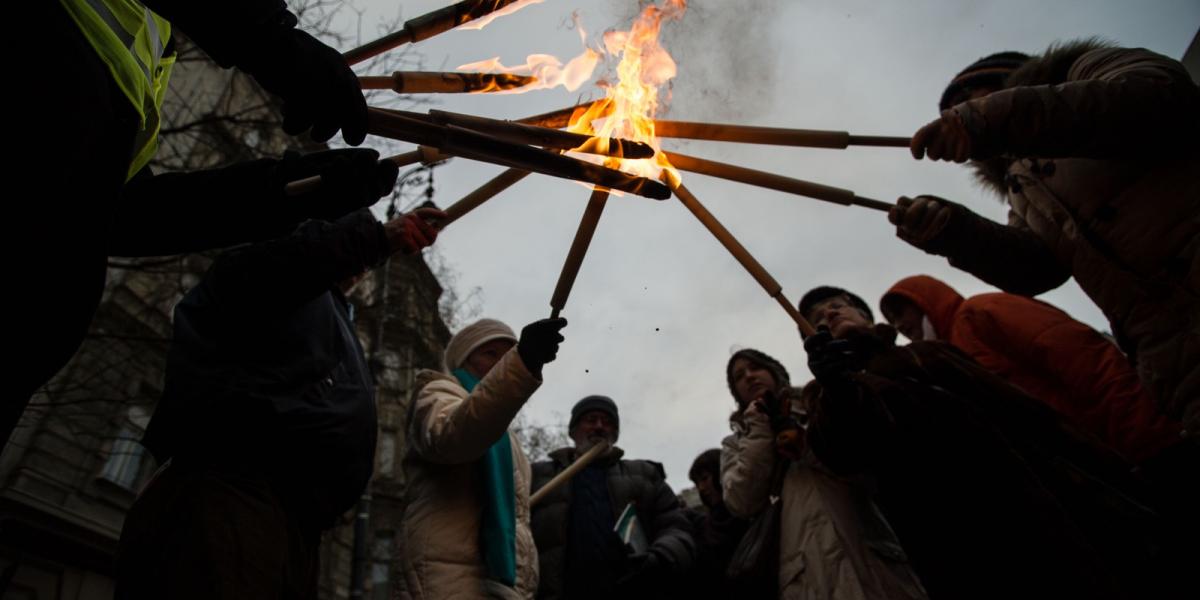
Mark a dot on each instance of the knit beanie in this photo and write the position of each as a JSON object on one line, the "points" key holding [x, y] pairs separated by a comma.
{"points": [[473, 336], [603, 404]]}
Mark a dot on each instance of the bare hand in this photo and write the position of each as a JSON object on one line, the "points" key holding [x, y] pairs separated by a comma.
{"points": [[944, 139], [919, 220], [411, 232]]}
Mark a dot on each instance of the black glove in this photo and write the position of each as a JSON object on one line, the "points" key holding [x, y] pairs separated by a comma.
{"points": [[831, 361], [318, 88], [351, 178], [539, 343]]}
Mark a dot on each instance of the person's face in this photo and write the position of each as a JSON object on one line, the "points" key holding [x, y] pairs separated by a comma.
{"points": [[751, 381], [709, 489], [838, 315], [483, 358], [906, 318], [593, 427]]}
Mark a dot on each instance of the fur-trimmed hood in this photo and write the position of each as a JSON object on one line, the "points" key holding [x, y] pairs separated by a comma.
{"points": [[1050, 68]]}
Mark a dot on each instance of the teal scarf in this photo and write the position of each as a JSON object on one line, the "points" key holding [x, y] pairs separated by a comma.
{"points": [[499, 532]]}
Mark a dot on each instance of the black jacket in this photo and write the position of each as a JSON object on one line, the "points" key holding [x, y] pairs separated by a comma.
{"points": [[266, 375], [992, 494], [717, 535], [641, 482], [227, 30]]}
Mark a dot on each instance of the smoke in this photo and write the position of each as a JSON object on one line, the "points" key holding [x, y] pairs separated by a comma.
{"points": [[727, 58]]}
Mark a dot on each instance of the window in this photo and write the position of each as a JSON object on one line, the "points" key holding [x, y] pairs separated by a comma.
{"points": [[387, 454], [125, 454], [381, 557]]}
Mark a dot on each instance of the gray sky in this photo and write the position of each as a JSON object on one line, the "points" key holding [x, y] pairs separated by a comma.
{"points": [[659, 305]]}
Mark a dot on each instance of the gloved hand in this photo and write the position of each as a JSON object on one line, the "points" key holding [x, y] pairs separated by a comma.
{"points": [[539, 343], [318, 89], [351, 178], [787, 427], [411, 232], [921, 220], [945, 138], [831, 361]]}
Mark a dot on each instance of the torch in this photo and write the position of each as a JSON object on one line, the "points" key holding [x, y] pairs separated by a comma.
{"points": [[738, 251], [580, 463], [427, 26], [579, 248], [429, 82]]}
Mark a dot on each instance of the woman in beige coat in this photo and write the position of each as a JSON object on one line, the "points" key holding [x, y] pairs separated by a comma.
{"points": [[833, 543], [466, 522]]}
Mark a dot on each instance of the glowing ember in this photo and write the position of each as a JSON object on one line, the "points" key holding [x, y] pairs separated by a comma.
{"points": [[482, 22]]}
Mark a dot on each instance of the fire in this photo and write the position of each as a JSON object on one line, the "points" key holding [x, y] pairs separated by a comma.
{"points": [[629, 106], [549, 70], [483, 21]]}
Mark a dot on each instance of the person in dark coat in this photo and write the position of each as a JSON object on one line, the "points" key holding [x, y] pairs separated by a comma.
{"points": [[81, 151], [266, 428], [1094, 149], [579, 553], [991, 493], [716, 531]]}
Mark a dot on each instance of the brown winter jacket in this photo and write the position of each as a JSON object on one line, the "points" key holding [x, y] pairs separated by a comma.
{"points": [[833, 542], [1051, 357], [448, 432], [1099, 161], [991, 494]]}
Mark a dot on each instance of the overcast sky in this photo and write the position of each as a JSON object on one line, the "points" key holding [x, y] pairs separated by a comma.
{"points": [[659, 305]]}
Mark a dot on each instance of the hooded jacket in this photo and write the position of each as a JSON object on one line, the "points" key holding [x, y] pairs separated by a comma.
{"points": [[1052, 357], [1098, 161]]}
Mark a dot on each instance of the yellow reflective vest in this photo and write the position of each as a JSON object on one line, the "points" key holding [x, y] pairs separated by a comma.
{"points": [[131, 40]]}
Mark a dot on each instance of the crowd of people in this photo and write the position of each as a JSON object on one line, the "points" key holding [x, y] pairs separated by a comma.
{"points": [[1006, 451]]}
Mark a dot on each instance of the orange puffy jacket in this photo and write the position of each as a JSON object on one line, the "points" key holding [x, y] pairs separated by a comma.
{"points": [[1054, 358]]}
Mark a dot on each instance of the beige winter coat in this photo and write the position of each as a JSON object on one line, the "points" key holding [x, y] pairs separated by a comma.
{"points": [[448, 432], [833, 544]]}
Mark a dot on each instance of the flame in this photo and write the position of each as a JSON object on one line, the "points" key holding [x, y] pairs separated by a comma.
{"points": [[549, 70], [629, 106], [483, 21]]}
